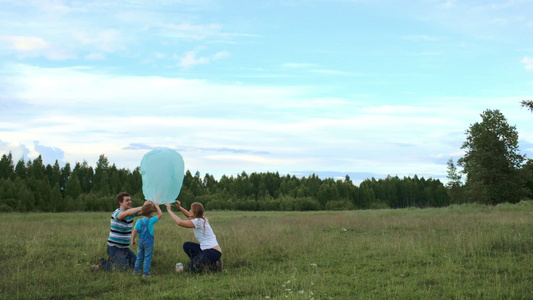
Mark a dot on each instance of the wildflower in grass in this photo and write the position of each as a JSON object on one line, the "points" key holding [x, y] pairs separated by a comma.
{"points": [[301, 291], [344, 229], [314, 265]]}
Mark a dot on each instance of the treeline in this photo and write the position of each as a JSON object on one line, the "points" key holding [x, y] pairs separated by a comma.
{"points": [[32, 186], [496, 172]]}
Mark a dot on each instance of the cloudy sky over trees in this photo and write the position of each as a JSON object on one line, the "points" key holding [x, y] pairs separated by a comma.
{"points": [[366, 88]]}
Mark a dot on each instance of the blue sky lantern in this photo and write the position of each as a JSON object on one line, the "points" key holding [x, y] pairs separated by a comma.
{"points": [[162, 173]]}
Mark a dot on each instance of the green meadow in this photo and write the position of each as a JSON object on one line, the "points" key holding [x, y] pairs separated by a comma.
{"points": [[457, 252]]}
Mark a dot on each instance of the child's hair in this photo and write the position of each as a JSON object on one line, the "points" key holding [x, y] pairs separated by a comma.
{"points": [[147, 209]]}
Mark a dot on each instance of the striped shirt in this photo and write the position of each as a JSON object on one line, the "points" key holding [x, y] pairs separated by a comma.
{"points": [[120, 234]]}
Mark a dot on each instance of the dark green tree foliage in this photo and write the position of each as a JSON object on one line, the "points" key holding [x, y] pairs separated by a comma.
{"points": [[327, 192], [101, 176], [57, 203], [73, 188], [526, 173], [36, 168], [54, 174], [20, 169], [6, 166], [528, 104], [492, 161], [527, 169], [33, 186], [85, 175]]}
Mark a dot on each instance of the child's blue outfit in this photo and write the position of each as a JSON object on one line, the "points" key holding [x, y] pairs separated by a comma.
{"points": [[145, 228]]}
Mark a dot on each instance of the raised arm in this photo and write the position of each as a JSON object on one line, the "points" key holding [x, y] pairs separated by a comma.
{"points": [[180, 222], [132, 211], [185, 212], [159, 212]]}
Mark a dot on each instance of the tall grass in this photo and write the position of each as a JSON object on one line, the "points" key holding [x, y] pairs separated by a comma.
{"points": [[459, 252]]}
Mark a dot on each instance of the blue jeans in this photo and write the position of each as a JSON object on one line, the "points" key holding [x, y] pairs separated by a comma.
{"points": [[119, 259], [201, 259], [144, 256]]}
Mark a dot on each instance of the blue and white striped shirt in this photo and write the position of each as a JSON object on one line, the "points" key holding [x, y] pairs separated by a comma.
{"points": [[120, 233]]}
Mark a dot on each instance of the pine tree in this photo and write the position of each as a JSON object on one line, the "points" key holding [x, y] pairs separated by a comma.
{"points": [[20, 169], [454, 184], [6, 166]]}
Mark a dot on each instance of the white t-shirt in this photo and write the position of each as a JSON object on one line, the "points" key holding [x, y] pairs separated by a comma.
{"points": [[206, 237]]}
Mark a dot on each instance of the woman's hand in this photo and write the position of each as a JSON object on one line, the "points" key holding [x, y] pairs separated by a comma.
{"points": [[168, 206], [178, 204]]}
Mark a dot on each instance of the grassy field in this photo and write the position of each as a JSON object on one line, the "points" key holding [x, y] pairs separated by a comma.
{"points": [[459, 252]]}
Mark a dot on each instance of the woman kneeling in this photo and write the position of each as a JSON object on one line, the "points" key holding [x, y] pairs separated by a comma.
{"points": [[207, 254]]}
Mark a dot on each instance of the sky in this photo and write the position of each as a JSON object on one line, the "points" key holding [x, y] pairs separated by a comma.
{"points": [[364, 88]]}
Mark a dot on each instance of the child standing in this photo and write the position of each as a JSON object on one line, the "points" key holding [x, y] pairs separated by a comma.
{"points": [[145, 228]]}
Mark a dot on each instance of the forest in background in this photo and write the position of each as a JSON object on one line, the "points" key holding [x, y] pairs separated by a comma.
{"points": [[32, 186], [495, 172]]}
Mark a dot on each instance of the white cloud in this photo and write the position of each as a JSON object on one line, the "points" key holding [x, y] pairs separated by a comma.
{"points": [[49, 154], [53, 6], [220, 55], [18, 151], [95, 56], [528, 63], [297, 65], [25, 44], [190, 58], [105, 40], [34, 47], [449, 4], [397, 110], [66, 108], [425, 38], [189, 31], [294, 115], [332, 72]]}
